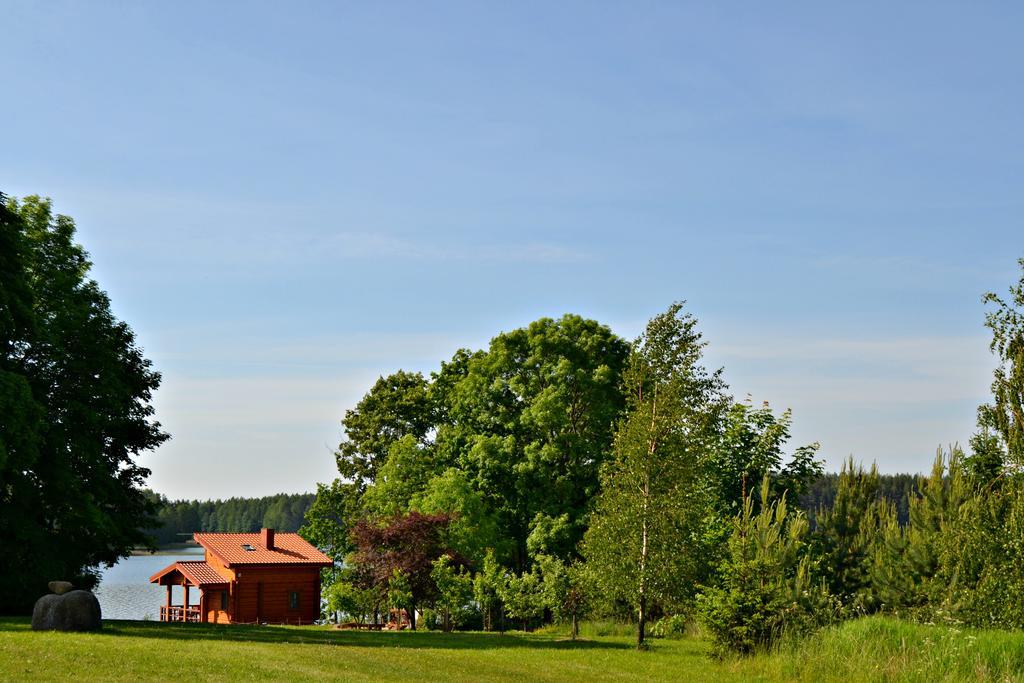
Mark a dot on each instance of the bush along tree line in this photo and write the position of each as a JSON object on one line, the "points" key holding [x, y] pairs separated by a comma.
{"points": [[177, 520], [569, 473]]}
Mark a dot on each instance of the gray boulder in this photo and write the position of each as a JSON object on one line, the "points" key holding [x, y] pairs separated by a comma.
{"points": [[72, 611], [61, 587]]}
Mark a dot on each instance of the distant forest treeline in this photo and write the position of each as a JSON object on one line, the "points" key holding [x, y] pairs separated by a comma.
{"points": [[895, 488], [179, 519]]}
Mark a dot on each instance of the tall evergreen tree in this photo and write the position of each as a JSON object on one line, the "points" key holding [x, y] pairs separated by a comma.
{"points": [[846, 536]]}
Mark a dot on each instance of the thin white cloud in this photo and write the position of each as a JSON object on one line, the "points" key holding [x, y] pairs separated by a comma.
{"points": [[256, 435], [917, 351], [891, 400], [229, 347]]}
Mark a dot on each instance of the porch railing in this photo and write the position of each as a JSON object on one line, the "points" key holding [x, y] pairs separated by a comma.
{"points": [[179, 613]]}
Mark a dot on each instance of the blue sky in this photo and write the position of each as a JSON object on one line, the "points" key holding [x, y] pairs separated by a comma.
{"points": [[286, 200]]}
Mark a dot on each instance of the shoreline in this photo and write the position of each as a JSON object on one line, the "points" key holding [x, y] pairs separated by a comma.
{"points": [[168, 549]]}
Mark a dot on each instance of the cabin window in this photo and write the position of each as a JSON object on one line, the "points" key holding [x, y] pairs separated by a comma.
{"points": [[224, 601], [293, 600]]}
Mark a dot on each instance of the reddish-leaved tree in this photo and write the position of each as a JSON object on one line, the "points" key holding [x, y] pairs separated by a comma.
{"points": [[409, 543]]}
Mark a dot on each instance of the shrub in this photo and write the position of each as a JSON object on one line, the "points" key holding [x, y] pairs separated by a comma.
{"points": [[454, 588], [673, 626], [766, 587]]}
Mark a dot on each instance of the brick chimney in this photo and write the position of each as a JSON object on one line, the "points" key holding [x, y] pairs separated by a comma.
{"points": [[267, 537]]}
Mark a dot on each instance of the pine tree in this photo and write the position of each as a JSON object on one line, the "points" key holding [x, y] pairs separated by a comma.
{"points": [[846, 535], [767, 588]]}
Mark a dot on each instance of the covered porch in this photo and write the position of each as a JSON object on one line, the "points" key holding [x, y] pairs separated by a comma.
{"points": [[196, 574]]}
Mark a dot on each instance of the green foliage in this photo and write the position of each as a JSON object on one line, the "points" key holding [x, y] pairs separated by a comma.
{"points": [[672, 626], [534, 415], [405, 473], [766, 589], [553, 436], [177, 520], [509, 438], [987, 461], [523, 597], [896, 489], [474, 528], [1005, 416], [644, 543], [846, 537], [548, 534], [75, 412], [330, 518], [399, 591], [351, 600], [906, 569], [488, 584], [398, 406], [565, 589], [454, 589], [959, 559], [751, 448]]}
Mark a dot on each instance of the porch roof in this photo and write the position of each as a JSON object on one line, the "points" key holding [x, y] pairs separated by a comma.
{"points": [[196, 573]]}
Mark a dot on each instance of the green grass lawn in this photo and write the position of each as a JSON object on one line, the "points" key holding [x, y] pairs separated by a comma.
{"points": [[133, 650], [870, 649]]}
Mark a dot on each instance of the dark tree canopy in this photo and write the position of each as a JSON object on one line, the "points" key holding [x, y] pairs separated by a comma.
{"points": [[75, 408]]}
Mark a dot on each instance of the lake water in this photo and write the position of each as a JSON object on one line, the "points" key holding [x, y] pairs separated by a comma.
{"points": [[126, 593]]}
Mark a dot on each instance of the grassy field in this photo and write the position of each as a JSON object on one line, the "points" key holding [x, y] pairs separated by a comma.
{"points": [[869, 649]]}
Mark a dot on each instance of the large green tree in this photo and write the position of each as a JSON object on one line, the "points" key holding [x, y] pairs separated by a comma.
{"points": [[75, 411], [397, 406], [644, 541], [533, 417], [511, 437]]}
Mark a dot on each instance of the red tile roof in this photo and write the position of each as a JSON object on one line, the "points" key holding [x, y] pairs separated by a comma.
{"points": [[288, 548], [198, 573]]}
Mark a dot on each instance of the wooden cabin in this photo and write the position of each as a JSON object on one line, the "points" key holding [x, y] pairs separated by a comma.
{"points": [[269, 577]]}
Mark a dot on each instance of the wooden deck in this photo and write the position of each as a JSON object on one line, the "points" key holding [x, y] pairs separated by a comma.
{"points": [[179, 613]]}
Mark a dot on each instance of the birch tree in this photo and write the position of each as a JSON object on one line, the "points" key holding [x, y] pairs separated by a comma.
{"points": [[1004, 418], [645, 536]]}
